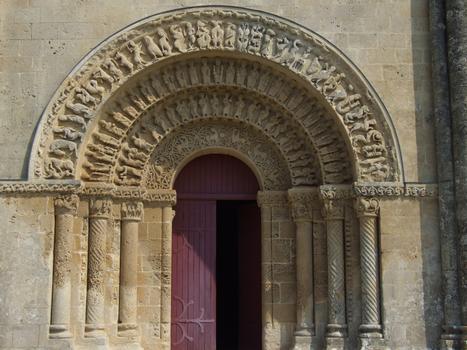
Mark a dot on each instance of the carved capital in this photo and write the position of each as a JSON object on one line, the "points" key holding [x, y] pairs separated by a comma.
{"points": [[100, 208], [272, 198], [301, 203], [132, 211], [333, 209], [367, 206], [67, 204]]}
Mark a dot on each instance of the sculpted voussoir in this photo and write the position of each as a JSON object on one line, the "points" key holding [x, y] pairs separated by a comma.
{"points": [[258, 36], [160, 172]]}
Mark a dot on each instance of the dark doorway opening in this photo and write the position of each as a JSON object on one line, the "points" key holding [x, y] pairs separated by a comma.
{"points": [[238, 274]]}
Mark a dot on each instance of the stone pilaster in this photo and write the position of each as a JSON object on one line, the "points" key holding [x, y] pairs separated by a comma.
{"points": [[333, 213], [65, 211], [166, 272], [301, 200], [99, 214], [367, 212], [267, 201], [131, 216]]}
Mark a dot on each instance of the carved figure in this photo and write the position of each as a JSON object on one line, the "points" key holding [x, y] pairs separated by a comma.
{"points": [[191, 34], [203, 35], [141, 143], [58, 168], [137, 50], [256, 39], [164, 42], [217, 34], [267, 50], [68, 133], [74, 119], [124, 61], [112, 128], [79, 108], [122, 119], [230, 35], [101, 74], [153, 49], [179, 37], [85, 97], [61, 147], [243, 36], [114, 71], [93, 87]]}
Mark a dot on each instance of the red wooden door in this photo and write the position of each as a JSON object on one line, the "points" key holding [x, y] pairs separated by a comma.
{"points": [[201, 183], [194, 272]]}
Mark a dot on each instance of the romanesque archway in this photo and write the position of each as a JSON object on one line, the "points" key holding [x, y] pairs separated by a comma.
{"points": [[233, 81]]}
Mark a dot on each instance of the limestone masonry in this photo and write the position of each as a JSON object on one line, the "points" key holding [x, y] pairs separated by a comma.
{"points": [[350, 114]]}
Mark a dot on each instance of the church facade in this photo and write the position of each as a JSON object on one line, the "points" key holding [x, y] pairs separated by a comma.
{"points": [[291, 175]]}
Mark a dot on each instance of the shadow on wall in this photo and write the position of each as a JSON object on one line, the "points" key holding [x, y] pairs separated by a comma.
{"points": [[429, 217]]}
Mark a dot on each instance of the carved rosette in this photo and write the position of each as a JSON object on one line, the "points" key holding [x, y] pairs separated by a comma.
{"points": [[367, 211], [249, 34], [132, 211]]}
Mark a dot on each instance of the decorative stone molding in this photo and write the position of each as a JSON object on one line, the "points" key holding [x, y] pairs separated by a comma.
{"points": [[218, 137], [257, 37]]}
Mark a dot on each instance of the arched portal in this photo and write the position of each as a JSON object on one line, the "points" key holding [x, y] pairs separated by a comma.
{"points": [[242, 83], [216, 256]]}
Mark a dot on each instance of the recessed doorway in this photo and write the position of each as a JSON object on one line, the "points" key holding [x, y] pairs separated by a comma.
{"points": [[216, 257]]}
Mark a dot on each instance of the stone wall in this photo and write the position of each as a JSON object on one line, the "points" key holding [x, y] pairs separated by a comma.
{"points": [[41, 41]]}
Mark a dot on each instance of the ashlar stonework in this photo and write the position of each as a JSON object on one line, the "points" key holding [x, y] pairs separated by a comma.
{"points": [[349, 249]]}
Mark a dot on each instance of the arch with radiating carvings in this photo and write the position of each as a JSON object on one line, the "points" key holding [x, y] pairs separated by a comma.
{"points": [[338, 120]]}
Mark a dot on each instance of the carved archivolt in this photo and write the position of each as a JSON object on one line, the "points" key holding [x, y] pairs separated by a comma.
{"points": [[306, 77], [233, 138]]}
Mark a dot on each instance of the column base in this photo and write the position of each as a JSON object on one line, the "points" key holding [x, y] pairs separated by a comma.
{"points": [[94, 331], [374, 331], [302, 342], [127, 330], [451, 337], [368, 343], [336, 330], [59, 331], [335, 343]]}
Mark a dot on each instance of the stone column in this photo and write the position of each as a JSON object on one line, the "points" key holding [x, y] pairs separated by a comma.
{"points": [[65, 210], [131, 216], [166, 272], [367, 212], [336, 329], [99, 213], [302, 212]]}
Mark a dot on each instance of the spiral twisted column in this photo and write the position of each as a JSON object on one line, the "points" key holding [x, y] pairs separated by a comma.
{"points": [[99, 214], [367, 212], [333, 212], [301, 200], [166, 272], [131, 216], [65, 211]]}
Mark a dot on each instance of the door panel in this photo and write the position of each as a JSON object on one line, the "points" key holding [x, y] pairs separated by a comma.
{"points": [[193, 277], [249, 276]]}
